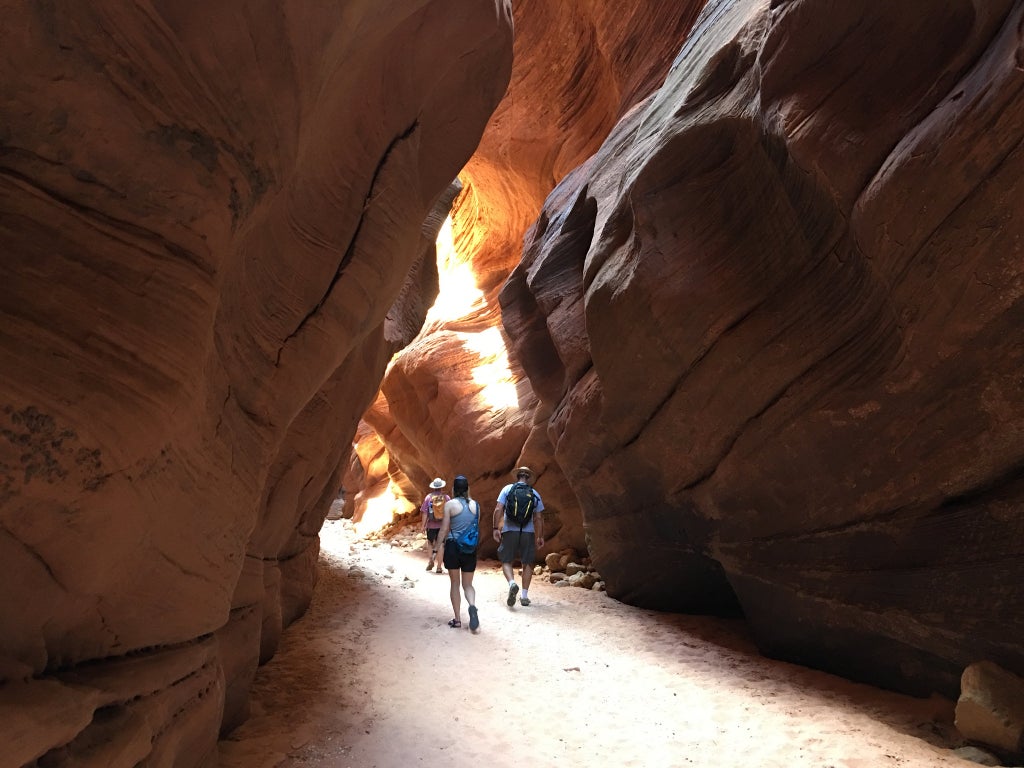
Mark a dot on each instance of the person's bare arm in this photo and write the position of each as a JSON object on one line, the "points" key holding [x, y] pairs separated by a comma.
{"points": [[446, 526], [498, 520], [538, 529]]}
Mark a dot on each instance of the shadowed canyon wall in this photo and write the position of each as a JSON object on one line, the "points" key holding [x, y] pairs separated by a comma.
{"points": [[216, 225], [792, 378], [760, 341]]}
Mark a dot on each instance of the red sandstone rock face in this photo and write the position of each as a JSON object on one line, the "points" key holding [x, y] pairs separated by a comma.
{"points": [[579, 66], [211, 228], [770, 328], [775, 320]]}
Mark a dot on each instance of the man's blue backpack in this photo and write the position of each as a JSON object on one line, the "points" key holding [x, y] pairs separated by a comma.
{"points": [[520, 502], [468, 538]]}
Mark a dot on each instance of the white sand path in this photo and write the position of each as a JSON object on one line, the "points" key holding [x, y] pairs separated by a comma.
{"points": [[372, 677]]}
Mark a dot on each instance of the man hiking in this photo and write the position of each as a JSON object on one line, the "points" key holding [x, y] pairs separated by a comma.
{"points": [[519, 531]]}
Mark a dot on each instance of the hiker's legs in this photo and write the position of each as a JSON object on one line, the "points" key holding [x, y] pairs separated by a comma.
{"points": [[527, 575], [432, 547], [527, 554], [455, 575], [506, 555], [508, 551], [468, 588], [451, 562]]}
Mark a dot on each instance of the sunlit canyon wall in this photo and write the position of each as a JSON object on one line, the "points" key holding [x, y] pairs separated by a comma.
{"points": [[454, 401]]}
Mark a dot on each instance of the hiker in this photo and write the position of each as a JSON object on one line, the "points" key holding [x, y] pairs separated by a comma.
{"points": [[519, 531], [460, 533], [433, 512]]}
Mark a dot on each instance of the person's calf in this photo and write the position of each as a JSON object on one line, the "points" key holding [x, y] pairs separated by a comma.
{"points": [[527, 577]]}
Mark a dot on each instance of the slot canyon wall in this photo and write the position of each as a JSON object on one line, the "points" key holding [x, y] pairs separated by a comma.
{"points": [[453, 401], [786, 296], [217, 227], [741, 282], [764, 339]]}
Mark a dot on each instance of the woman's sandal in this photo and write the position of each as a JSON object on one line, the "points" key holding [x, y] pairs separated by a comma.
{"points": [[455, 624]]}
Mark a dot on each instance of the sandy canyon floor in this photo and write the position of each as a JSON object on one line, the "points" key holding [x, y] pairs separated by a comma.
{"points": [[372, 677]]}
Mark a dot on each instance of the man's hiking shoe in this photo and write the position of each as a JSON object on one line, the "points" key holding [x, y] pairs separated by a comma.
{"points": [[474, 620], [524, 601], [513, 589]]}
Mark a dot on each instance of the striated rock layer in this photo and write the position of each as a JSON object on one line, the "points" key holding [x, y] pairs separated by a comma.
{"points": [[211, 226], [780, 313], [456, 402]]}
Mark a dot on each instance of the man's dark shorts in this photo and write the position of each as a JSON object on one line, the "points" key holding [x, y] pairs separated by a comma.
{"points": [[432, 534], [515, 544], [455, 560]]}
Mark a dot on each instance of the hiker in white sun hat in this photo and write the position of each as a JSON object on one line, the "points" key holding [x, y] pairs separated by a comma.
{"points": [[433, 513]]}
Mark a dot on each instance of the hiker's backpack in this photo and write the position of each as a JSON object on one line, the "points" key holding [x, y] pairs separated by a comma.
{"points": [[469, 537], [437, 502], [520, 502]]}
